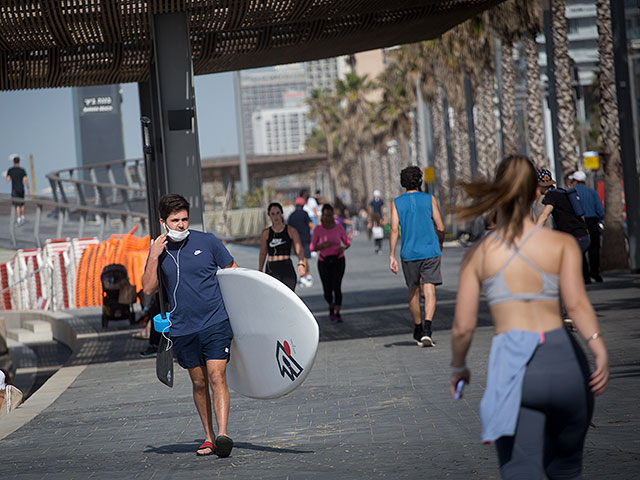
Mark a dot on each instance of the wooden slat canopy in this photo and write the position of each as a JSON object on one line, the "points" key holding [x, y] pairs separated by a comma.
{"points": [[55, 43]]}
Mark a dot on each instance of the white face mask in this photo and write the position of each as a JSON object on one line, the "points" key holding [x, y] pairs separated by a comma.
{"points": [[176, 235]]}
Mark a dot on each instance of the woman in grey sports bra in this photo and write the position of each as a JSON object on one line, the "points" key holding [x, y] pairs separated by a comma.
{"points": [[539, 395]]}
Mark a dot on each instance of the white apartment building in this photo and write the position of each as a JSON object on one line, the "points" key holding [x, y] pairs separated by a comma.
{"points": [[271, 89], [280, 131], [265, 90]]}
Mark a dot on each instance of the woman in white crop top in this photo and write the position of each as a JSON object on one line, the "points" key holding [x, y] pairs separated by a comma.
{"points": [[539, 395]]}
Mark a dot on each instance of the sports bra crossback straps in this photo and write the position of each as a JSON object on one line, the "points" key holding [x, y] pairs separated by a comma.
{"points": [[496, 289]]}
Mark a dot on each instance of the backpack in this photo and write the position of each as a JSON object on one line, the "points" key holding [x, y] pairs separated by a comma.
{"points": [[574, 200]]}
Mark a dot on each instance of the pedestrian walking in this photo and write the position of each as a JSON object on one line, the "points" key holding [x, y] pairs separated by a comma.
{"points": [[538, 400], [276, 243], [377, 232], [200, 330], [594, 216], [18, 178], [375, 207], [310, 206], [557, 203], [417, 214], [330, 241], [299, 219]]}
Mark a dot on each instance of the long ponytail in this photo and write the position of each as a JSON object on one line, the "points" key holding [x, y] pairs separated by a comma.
{"points": [[511, 194]]}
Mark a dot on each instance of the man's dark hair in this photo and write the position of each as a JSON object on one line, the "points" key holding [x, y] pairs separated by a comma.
{"points": [[411, 178], [304, 194], [171, 203], [16, 159]]}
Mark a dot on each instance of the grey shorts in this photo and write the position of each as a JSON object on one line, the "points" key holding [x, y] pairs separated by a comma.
{"points": [[417, 272]]}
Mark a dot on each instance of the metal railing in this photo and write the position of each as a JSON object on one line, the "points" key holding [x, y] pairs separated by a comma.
{"points": [[133, 190], [64, 210]]}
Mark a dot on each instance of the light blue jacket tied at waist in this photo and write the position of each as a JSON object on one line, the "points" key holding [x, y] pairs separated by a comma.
{"points": [[508, 359]]}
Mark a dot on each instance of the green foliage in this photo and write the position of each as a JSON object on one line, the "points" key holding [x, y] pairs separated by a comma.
{"points": [[316, 142], [255, 198]]}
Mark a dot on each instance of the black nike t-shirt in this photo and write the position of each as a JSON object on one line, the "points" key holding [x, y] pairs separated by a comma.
{"points": [[563, 215], [17, 175]]}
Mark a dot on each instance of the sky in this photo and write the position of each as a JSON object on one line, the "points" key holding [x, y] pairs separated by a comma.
{"points": [[40, 123]]}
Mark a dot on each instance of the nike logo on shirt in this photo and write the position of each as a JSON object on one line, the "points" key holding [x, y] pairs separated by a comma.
{"points": [[197, 252], [276, 242]]}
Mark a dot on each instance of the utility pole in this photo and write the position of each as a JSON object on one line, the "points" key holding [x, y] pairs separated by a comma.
{"points": [[627, 145], [551, 88], [244, 171]]}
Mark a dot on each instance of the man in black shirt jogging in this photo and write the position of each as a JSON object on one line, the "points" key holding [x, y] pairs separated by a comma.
{"points": [[556, 203], [18, 178]]}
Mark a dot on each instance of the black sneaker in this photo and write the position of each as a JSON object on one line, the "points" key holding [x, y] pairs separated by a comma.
{"points": [[426, 339], [151, 351], [418, 333]]}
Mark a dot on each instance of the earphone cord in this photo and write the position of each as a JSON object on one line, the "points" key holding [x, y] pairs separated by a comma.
{"points": [[175, 290]]}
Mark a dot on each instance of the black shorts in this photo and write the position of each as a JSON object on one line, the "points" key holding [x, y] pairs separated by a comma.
{"points": [[307, 250], [212, 343], [283, 270], [17, 194], [417, 272]]}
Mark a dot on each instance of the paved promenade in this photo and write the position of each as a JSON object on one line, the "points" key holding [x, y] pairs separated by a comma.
{"points": [[374, 406]]}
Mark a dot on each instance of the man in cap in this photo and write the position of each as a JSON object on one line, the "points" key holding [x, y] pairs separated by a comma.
{"points": [[556, 203], [300, 220], [593, 215], [377, 205]]}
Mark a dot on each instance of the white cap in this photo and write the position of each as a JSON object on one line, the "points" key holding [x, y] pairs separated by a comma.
{"points": [[579, 176], [376, 193]]}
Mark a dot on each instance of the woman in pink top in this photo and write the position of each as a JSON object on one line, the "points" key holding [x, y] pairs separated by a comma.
{"points": [[330, 241]]}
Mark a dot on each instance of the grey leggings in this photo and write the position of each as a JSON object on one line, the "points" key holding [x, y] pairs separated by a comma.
{"points": [[555, 412]]}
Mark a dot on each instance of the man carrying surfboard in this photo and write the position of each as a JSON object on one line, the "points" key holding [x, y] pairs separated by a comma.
{"points": [[200, 328], [417, 215]]}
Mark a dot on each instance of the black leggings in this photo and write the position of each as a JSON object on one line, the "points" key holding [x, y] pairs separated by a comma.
{"points": [[555, 412], [331, 270], [283, 270]]}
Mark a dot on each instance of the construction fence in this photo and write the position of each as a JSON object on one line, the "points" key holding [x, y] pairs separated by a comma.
{"points": [[65, 273]]}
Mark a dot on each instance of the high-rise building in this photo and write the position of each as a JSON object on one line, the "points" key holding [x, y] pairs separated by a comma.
{"points": [[280, 131], [262, 90], [282, 87]]}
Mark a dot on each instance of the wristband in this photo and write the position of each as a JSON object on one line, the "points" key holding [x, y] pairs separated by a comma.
{"points": [[594, 336], [458, 369]]}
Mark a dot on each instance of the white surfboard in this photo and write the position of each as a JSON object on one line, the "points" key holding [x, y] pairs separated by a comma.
{"points": [[275, 335]]}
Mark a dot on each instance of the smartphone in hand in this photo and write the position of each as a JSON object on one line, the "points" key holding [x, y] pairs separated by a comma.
{"points": [[459, 386]]}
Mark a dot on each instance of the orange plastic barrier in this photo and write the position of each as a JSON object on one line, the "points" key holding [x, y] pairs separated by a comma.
{"points": [[126, 249]]}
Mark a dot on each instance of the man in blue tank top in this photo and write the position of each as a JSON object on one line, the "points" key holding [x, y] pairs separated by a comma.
{"points": [[200, 331], [417, 215]]}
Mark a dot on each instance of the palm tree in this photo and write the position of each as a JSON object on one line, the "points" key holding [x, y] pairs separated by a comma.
{"points": [[479, 64], [530, 15], [324, 109], [397, 103], [614, 251], [352, 92], [566, 108], [504, 20]]}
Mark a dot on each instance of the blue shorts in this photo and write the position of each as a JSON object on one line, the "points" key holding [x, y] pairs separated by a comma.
{"points": [[212, 343]]}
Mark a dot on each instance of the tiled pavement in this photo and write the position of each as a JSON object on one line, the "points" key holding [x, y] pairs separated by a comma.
{"points": [[374, 405]]}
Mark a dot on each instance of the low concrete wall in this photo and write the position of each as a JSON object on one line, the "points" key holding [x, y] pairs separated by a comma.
{"points": [[61, 328]]}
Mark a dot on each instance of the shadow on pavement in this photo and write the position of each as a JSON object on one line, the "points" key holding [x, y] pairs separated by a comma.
{"points": [[192, 447]]}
